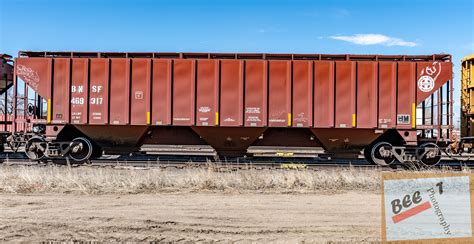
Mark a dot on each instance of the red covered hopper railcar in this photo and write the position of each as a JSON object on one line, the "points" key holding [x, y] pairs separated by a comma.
{"points": [[291, 105]]}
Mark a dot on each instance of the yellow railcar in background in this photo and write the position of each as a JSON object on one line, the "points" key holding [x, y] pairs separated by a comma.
{"points": [[467, 96]]}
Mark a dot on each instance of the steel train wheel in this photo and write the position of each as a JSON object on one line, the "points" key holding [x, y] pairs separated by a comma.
{"points": [[35, 148], [428, 154], [381, 154], [81, 149]]}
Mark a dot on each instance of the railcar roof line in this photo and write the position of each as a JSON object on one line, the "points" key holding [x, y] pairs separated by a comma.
{"points": [[260, 56]]}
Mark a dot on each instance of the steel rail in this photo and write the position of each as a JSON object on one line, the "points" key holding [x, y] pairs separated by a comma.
{"points": [[183, 162]]}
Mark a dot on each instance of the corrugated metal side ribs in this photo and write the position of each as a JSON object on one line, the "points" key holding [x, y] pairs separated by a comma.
{"points": [[394, 107]]}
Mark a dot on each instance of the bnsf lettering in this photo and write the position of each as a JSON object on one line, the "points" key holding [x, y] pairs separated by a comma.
{"points": [[77, 100], [98, 100], [96, 89], [77, 89]]}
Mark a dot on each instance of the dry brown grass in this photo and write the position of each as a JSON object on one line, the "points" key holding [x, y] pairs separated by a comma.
{"points": [[87, 180], [91, 180]]}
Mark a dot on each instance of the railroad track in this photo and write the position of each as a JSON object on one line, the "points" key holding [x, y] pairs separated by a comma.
{"points": [[182, 162], [191, 162]]}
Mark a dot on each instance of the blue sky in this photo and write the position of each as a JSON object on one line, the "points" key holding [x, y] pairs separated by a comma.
{"points": [[366, 26], [237, 26]]}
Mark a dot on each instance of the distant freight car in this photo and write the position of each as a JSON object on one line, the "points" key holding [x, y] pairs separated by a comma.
{"points": [[467, 96], [466, 143], [395, 108]]}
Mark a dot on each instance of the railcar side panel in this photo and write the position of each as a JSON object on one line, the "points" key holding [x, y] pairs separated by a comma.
{"points": [[99, 91], [345, 94], [255, 93], [183, 91], [323, 94], [119, 91], [79, 90], [279, 98], [207, 90], [387, 105], [61, 85], [406, 106], [302, 94], [248, 90], [231, 93], [367, 95], [430, 76], [36, 72], [161, 92], [140, 93]]}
